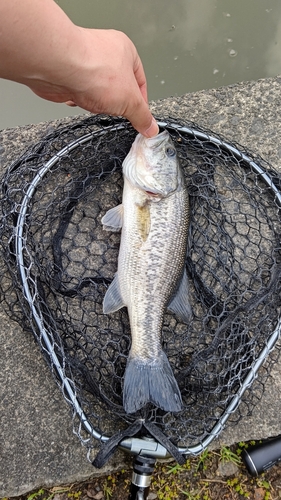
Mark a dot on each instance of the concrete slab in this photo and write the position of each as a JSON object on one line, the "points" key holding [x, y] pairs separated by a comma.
{"points": [[37, 447]]}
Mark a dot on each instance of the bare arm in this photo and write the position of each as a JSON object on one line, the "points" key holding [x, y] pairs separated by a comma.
{"points": [[98, 70]]}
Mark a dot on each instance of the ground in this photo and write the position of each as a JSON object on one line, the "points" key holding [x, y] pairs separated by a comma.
{"points": [[215, 475]]}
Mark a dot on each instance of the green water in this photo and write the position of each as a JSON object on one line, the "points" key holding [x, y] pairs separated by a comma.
{"points": [[185, 45]]}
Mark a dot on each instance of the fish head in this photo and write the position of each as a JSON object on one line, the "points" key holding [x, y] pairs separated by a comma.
{"points": [[152, 165]]}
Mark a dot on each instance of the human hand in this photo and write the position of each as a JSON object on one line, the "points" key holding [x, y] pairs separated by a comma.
{"points": [[98, 70], [108, 79]]}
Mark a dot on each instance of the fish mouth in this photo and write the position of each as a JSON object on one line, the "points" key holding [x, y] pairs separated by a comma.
{"points": [[151, 142], [157, 140]]}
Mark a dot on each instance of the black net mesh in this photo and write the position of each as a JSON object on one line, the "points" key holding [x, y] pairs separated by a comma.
{"points": [[53, 199]]}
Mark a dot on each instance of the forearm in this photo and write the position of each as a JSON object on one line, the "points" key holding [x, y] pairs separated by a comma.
{"points": [[36, 40]]}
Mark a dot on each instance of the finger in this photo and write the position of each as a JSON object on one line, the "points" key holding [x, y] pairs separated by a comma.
{"points": [[141, 79], [70, 103], [153, 129], [142, 119]]}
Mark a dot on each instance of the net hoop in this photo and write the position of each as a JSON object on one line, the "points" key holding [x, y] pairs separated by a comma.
{"points": [[133, 445]]}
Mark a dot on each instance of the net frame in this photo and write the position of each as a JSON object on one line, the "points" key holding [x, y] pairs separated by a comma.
{"points": [[132, 444]]}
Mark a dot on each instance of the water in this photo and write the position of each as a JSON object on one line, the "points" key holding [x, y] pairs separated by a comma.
{"points": [[185, 46]]}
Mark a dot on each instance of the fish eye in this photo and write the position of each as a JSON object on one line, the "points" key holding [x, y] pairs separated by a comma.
{"points": [[170, 152]]}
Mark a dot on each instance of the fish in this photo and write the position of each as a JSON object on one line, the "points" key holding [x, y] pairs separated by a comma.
{"points": [[151, 276]]}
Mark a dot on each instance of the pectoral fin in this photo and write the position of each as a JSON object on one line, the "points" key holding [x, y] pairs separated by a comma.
{"points": [[112, 300], [113, 219], [180, 304]]}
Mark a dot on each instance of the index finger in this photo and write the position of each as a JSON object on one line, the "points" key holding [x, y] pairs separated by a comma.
{"points": [[139, 114], [140, 78]]}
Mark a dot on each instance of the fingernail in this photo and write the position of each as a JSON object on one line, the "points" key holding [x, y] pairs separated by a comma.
{"points": [[153, 129]]}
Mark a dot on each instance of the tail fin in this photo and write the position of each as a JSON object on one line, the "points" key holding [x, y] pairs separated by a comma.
{"points": [[150, 381]]}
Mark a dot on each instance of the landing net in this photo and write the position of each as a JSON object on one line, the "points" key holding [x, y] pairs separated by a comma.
{"points": [[57, 262]]}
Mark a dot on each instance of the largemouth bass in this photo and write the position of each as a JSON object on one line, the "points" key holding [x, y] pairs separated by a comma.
{"points": [[151, 276]]}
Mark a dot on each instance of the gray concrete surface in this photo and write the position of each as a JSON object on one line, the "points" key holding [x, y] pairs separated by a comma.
{"points": [[37, 447]]}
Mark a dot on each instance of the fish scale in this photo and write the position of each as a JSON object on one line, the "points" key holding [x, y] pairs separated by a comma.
{"points": [[151, 259]]}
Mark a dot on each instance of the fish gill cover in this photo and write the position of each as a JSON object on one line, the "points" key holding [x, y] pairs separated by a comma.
{"points": [[57, 263]]}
